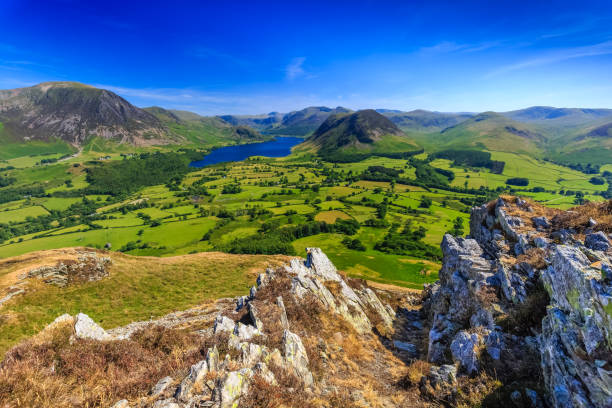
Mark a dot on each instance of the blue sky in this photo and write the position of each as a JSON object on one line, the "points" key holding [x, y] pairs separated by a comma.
{"points": [[261, 56]]}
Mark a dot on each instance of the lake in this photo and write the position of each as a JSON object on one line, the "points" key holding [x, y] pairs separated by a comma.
{"points": [[279, 147]]}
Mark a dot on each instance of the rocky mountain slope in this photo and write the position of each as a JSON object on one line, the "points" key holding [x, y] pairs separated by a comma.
{"points": [[198, 129], [521, 317], [74, 113], [528, 298]]}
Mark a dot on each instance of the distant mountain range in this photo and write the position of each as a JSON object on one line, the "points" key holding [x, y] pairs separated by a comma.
{"points": [[296, 123], [76, 113]]}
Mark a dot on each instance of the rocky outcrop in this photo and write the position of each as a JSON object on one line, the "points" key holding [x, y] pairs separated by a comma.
{"points": [[256, 335], [87, 267], [576, 340], [519, 291]]}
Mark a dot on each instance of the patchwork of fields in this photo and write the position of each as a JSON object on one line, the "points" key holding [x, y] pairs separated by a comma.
{"points": [[162, 220]]}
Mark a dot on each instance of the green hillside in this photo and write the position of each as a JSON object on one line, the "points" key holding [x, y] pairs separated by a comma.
{"points": [[359, 133]]}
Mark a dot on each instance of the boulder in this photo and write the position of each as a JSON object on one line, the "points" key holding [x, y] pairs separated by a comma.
{"points": [[161, 386], [196, 375], [541, 223], [465, 350], [223, 324], [597, 241], [86, 328], [233, 385], [296, 357], [443, 375]]}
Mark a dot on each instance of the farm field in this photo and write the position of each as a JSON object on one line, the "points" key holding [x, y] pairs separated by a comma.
{"points": [[351, 210]]}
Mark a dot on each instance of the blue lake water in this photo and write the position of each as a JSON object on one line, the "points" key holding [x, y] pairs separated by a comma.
{"points": [[279, 147]]}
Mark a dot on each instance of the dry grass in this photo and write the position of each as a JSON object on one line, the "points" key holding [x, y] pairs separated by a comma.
{"points": [[51, 371], [577, 218], [534, 257], [414, 372]]}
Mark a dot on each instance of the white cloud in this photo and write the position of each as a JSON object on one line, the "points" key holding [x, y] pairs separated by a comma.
{"points": [[446, 47], [295, 68], [603, 48]]}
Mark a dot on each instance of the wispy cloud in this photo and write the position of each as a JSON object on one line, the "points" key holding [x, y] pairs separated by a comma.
{"points": [[447, 47], [603, 48], [295, 68], [166, 94]]}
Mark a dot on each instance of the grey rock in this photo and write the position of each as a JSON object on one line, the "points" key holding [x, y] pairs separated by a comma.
{"points": [[262, 370], [541, 223], [444, 375], [576, 326], [406, 347], [167, 403], [212, 359], [516, 396], [196, 375], [253, 314], [86, 328], [512, 284], [12, 294], [122, 404], [494, 343], [534, 399], [233, 385], [597, 241], [161, 386], [296, 357], [283, 313], [562, 236], [223, 324], [246, 332], [540, 242], [320, 265], [465, 351]]}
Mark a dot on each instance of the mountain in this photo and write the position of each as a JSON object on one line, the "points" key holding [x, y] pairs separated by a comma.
{"points": [[74, 113], [488, 131], [204, 129], [603, 131], [424, 121], [360, 132], [258, 122], [547, 115], [295, 123], [305, 121]]}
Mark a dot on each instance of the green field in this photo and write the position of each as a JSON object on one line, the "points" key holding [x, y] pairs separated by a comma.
{"points": [[166, 220]]}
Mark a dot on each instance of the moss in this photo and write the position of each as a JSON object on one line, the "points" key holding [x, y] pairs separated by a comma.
{"points": [[572, 297]]}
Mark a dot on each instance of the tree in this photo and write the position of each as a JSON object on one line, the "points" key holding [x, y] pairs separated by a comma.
{"points": [[425, 202]]}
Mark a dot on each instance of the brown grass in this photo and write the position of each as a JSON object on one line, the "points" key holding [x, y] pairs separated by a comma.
{"points": [[414, 372], [51, 371], [578, 217], [534, 257]]}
